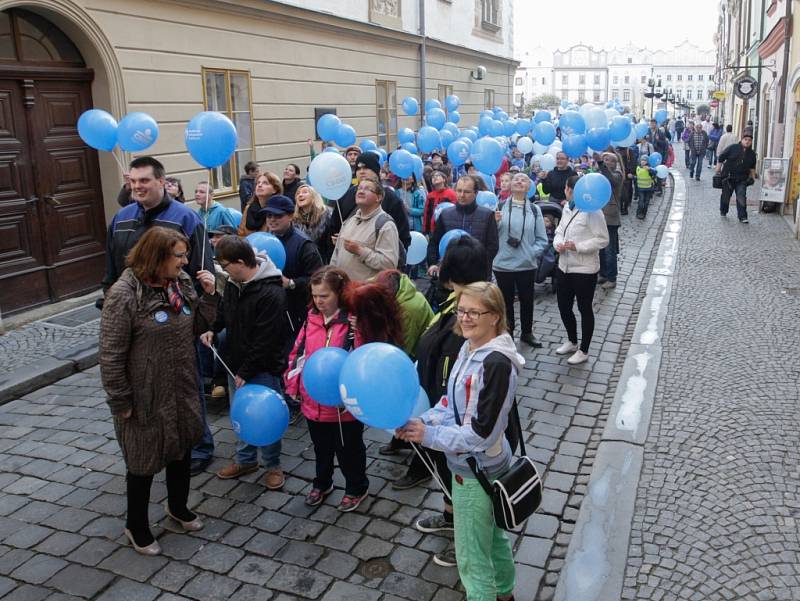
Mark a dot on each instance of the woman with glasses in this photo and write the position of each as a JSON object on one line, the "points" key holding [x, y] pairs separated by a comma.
{"points": [[470, 421], [151, 318]]}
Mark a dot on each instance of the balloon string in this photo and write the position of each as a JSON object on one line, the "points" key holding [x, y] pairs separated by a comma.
{"points": [[205, 228], [289, 317], [216, 354], [341, 433], [341, 219], [119, 161], [432, 469]]}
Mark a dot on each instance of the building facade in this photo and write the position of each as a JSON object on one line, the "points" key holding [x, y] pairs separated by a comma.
{"points": [[270, 66], [534, 76], [580, 74]]}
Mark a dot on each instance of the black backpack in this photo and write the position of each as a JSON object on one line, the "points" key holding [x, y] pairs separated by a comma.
{"points": [[380, 221]]}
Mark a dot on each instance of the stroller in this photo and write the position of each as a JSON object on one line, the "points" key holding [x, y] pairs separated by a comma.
{"points": [[551, 212]]}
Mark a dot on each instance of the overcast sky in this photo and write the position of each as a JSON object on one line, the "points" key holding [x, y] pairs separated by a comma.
{"points": [[605, 24]]}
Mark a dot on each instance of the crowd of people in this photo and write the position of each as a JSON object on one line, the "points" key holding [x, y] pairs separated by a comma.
{"points": [[189, 302]]}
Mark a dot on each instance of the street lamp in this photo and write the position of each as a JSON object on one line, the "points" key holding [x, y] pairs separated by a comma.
{"points": [[653, 84], [669, 97]]}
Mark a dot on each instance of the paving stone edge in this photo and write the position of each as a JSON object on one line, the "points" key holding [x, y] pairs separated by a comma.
{"points": [[594, 566], [46, 371]]}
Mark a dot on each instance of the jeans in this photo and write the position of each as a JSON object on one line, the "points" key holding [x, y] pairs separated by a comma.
{"points": [[203, 450], [247, 454], [570, 287], [696, 166], [350, 455], [608, 255], [523, 282], [483, 551], [741, 198], [644, 201], [687, 155], [711, 153]]}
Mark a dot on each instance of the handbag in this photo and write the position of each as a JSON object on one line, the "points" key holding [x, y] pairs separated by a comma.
{"points": [[516, 494], [716, 182]]}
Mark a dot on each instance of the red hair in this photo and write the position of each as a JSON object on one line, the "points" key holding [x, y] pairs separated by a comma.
{"points": [[378, 314]]}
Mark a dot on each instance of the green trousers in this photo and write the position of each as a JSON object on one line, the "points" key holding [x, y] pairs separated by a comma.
{"points": [[483, 551]]}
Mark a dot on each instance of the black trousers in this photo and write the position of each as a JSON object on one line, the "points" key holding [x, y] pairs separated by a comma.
{"points": [[570, 287], [351, 457], [522, 282], [138, 491]]}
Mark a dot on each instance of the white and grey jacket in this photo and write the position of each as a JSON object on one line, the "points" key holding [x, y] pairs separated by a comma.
{"points": [[482, 385]]}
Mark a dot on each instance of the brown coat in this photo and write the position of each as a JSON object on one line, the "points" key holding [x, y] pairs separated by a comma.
{"points": [[148, 365]]}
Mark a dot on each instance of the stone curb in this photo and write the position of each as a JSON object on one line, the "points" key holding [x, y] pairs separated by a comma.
{"points": [[594, 567]]}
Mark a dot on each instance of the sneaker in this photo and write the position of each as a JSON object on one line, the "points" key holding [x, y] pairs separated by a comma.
{"points": [[435, 523], [697, 179], [235, 470], [601, 279], [350, 503], [446, 558], [531, 340], [608, 285], [317, 496], [578, 358], [219, 392], [721, 214], [744, 220], [410, 481], [275, 478], [566, 348]]}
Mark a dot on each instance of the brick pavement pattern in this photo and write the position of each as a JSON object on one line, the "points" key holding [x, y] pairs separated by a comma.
{"points": [[717, 509], [62, 490]]}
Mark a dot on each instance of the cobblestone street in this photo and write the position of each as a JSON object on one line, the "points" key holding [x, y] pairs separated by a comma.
{"points": [[62, 483]]}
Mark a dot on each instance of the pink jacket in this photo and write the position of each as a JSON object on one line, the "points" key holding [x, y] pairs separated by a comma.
{"points": [[316, 335]]}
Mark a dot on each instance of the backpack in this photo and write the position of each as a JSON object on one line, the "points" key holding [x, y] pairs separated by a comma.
{"points": [[380, 221]]}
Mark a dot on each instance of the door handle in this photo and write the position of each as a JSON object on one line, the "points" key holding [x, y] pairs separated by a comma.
{"points": [[51, 200]]}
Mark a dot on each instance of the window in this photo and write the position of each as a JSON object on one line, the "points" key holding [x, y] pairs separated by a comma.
{"points": [[582, 79], [710, 94], [626, 95], [680, 77], [597, 79], [490, 12], [517, 98], [386, 112], [700, 77], [228, 92], [596, 96], [689, 94], [630, 60], [518, 81], [615, 93], [564, 80], [669, 76], [446, 90], [627, 79], [615, 79], [544, 81], [538, 63], [643, 79], [689, 77], [488, 99], [581, 98]]}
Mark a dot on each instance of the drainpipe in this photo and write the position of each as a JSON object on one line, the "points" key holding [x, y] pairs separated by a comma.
{"points": [[785, 70], [757, 124], [423, 59]]}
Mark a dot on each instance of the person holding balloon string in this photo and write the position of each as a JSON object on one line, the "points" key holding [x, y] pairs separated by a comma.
{"points": [[312, 378], [470, 420], [254, 219]]}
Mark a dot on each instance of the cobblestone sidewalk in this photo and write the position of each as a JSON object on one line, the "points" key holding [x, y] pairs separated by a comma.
{"points": [[716, 515], [62, 491]]}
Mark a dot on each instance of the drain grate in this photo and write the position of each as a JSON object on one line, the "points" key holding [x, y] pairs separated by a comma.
{"points": [[75, 317], [375, 568]]}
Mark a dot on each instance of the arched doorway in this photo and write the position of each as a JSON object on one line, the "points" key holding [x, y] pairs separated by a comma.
{"points": [[52, 225]]}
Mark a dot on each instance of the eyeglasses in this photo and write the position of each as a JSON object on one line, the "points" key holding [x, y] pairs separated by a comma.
{"points": [[367, 189], [472, 314], [224, 265]]}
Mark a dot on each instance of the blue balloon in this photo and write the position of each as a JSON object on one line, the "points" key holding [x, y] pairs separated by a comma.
{"points": [[523, 126], [417, 250], [572, 122], [448, 238], [486, 113], [496, 129], [345, 135], [381, 157], [452, 128], [137, 131], [489, 180], [592, 192], [328, 126], [447, 137], [542, 116], [410, 147], [401, 163], [487, 199], [384, 155], [641, 130], [321, 375], [470, 134], [451, 103], [485, 125], [210, 138], [259, 415], [598, 138], [236, 215], [388, 405], [267, 243], [428, 139], [501, 116], [436, 118], [544, 133], [418, 167], [406, 135], [410, 105], [458, 152], [660, 116], [620, 128], [332, 149], [367, 144], [574, 145], [509, 127], [441, 207], [487, 155], [422, 404], [331, 174], [596, 118], [564, 103], [98, 129], [453, 116], [655, 159], [432, 103]]}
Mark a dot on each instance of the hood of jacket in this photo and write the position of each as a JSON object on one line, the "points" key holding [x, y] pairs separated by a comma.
{"points": [[502, 344], [266, 270]]}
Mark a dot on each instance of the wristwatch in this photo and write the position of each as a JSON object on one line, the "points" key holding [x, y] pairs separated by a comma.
{"points": [[292, 285]]}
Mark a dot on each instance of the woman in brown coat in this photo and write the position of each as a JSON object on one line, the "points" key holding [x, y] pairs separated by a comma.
{"points": [[150, 320]]}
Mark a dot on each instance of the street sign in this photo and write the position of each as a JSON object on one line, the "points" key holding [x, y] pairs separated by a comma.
{"points": [[714, 103], [746, 87], [719, 95]]}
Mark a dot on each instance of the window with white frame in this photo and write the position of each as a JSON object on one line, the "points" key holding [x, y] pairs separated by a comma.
{"points": [[689, 94], [490, 12], [518, 81], [596, 96], [597, 79], [386, 112], [615, 79], [564, 80], [626, 96], [488, 99], [700, 77]]}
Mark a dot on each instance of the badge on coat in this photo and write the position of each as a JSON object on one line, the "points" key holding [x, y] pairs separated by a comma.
{"points": [[187, 310], [161, 316]]}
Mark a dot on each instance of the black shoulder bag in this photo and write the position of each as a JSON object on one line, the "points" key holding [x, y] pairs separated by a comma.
{"points": [[517, 493]]}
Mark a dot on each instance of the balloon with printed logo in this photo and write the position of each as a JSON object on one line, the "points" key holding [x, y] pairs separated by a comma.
{"points": [[458, 152], [487, 155], [136, 132], [655, 159], [331, 174], [452, 102], [592, 192], [345, 135], [435, 117], [523, 127], [641, 130], [410, 105], [620, 128], [320, 375], [448, 238], [662, 172], [259, 415], [525, 145], [98, 129], [210, 138], [401, 163], [574, 145], [547, 162], [328, 126], [428, 139], [418, 249], [453, 116], [571, 122], [406, 135], [410, 147], [367, 144], [544, 133], [661, 116], [598, 137]]}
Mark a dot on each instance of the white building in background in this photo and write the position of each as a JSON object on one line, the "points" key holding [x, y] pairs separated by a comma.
{"points": [[534, 76], [629, 69], [580, 74], [687, 70]]}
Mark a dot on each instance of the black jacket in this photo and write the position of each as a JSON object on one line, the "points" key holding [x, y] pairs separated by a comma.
{"points": [[257, 328], [291, 189], [247, 186], [737, 161], [302, 260], [391, 204], [555, 182], [437, 351], [477, 221]]}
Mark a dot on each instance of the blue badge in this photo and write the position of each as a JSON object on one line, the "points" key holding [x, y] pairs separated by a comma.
{"points": [[161, 316], [187, 310]]}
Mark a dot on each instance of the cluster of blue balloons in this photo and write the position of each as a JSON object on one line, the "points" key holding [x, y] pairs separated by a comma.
{"points": [[137, 131], [331, 129]]}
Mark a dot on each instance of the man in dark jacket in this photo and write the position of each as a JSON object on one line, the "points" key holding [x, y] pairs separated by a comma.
{"points": [[554, 182], [698, 144], [737, 164], [479, 222], [253, 315], [629, 158], [367, 164]]}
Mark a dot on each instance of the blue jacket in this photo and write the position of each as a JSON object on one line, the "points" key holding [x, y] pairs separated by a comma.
{"points": [[218, 215], [528, 228]]}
